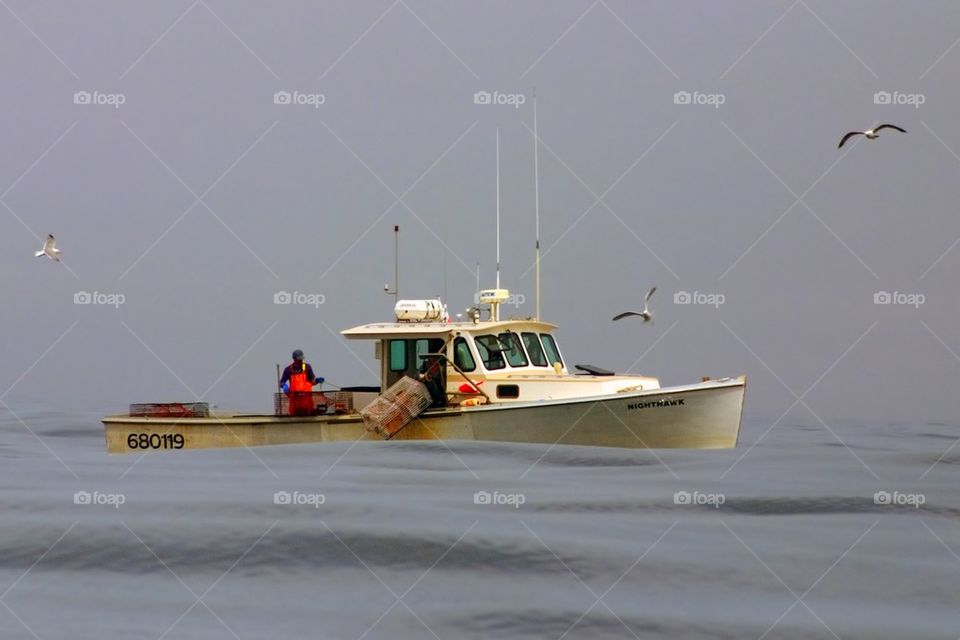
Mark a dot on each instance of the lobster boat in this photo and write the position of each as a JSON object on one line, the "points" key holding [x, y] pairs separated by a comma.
{"points": [[473, 379]]}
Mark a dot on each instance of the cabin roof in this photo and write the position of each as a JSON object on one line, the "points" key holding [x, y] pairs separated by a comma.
{"points": [[379, 330]]}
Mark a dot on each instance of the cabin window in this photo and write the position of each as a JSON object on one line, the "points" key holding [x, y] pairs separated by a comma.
{"points": [[398, 355], [508, 391], [462, 356], [424, 346], [510, 343], [491, 353], [532, 343], [550, 346]]}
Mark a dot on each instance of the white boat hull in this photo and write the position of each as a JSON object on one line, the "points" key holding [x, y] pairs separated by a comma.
{"points": [[699, 416]]}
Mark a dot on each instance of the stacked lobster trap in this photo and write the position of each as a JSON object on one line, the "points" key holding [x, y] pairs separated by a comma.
{"points": [[396, 407], [170, 410]]}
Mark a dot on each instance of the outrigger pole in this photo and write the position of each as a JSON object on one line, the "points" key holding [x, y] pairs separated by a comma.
{"points": [[536, 191]]}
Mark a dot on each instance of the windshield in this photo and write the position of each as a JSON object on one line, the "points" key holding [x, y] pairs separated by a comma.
{"points": [[550, 346], [490, 351], [462, 356], [510, 342], [532, 343]]}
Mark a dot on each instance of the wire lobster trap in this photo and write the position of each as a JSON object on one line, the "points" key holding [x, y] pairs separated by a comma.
{"points": [[396, 407], [170, 410], [300, 403], [343, 402]]}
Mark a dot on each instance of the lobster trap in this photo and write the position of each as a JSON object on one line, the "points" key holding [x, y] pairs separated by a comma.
{"points": [[170, 410], [300, 403], [396, 407], [343, 402]]}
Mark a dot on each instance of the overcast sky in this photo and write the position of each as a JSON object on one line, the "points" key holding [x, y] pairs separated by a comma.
{"points": [[184, 187]]}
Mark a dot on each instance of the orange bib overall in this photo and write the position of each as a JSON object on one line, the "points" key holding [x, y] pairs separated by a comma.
{"points": [[301, 396]]}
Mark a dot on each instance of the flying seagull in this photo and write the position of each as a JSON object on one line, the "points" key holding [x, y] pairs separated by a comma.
{"points": [[49, 249], [872, 134], [645, 314]]}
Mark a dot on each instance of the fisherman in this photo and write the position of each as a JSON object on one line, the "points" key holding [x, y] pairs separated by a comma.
{"points": [[298, 381], [431, 376]]}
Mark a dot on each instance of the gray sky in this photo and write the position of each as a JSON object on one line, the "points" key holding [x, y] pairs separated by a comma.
{"points": [[199, 198]]}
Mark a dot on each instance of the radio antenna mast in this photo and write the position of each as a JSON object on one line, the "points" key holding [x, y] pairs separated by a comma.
{"points": [[498, 207], [536, 191], [395, 292], [445, 258]]}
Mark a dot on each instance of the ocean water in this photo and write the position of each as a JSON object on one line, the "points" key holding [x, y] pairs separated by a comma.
{"points": [[783, 537]]}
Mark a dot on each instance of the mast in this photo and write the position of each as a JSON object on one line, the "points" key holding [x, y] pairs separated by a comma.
{"points": [[395, 292], [445, 245], [536, 191], [498, 207]]}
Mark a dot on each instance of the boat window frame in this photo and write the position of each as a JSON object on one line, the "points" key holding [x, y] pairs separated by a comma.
{"points": [[546, 338], [477, 340], [473, 360], [517, 345], [530, 353]]}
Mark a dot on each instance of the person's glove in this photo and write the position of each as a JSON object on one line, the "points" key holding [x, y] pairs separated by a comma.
{"points": [[320, 380], [286, 387]]}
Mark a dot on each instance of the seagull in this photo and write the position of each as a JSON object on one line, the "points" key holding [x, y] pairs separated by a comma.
{"points": [[49, 249], [872, 134], [645, 314]]}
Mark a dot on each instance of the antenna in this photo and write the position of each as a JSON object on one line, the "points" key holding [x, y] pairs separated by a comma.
{"points": [[474, 312], [445, 245], [498, 207], [395, 292], [536, 192]]}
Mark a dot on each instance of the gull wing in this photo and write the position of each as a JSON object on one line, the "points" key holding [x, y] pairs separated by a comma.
{"points": [[889, 126], [848, 136]]}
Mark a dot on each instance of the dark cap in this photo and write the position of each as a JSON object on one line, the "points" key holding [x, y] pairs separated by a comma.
{"points": [[298, 355]]}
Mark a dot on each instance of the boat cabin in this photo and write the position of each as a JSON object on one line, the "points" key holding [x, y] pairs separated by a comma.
{"points": [[481, 361]]}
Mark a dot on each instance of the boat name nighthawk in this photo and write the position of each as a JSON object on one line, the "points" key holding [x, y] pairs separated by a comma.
{"points": [[659, 403]]}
